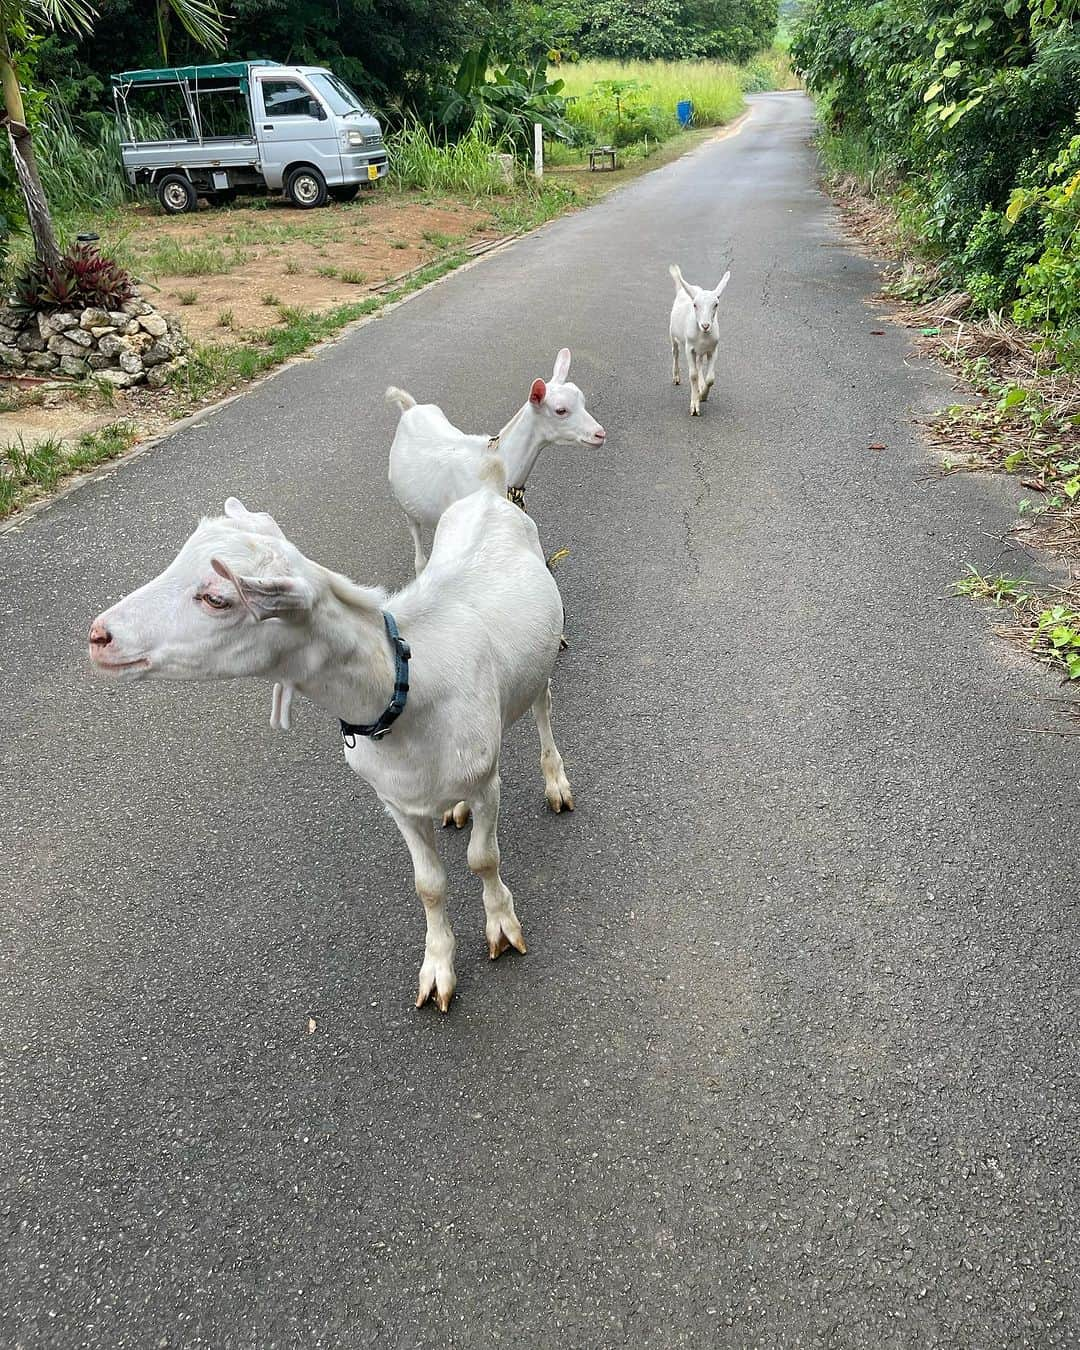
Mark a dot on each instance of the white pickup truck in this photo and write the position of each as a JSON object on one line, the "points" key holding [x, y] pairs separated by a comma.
{"points": [[245, 126]]}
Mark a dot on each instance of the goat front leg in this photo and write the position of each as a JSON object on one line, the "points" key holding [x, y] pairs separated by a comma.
{"points": [[437, 978], [676, 378], [708, 375], [501, 928], [695, 386], [419, 556], [556, 784]]}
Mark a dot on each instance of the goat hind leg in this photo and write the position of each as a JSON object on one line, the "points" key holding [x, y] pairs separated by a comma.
{"points": [[676, 378], [437, 978], [556, 784], [502, 927], [419, 556]]}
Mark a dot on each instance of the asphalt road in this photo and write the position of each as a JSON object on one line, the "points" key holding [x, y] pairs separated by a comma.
{"points": [[792, 1059]]}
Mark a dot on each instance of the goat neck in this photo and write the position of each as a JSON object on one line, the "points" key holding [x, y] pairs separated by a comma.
{"points": [[520, 443], [347, 666]]}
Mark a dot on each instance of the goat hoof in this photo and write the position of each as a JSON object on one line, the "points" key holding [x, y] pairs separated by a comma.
{"points": [[457, 816], [676, 380], [438, 985], [559, 797], [509, 935], [563, 644]]}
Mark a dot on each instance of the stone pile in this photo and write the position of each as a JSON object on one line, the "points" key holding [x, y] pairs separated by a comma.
{"points": [[130, 345]]}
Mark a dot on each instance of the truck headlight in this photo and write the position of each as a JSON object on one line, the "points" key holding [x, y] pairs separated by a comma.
{"points": [[354, 138]]}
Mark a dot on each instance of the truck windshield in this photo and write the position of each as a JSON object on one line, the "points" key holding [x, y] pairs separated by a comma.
{"points": [[337, 94]]}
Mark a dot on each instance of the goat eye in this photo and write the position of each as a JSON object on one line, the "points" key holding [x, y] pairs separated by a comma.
{"points": [[214, 601], [560, 412]]}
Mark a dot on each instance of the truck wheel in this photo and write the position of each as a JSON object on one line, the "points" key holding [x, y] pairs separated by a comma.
{"points": [[306, 188], [176, 194], [345, 193]]}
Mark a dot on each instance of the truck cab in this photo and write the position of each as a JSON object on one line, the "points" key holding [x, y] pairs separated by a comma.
{"points": [[251, 126]]}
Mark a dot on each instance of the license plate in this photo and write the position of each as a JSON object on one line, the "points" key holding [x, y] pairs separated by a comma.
{"points": [[373, 171]]}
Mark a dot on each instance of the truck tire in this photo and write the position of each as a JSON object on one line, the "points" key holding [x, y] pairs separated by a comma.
{"points": [[176, 194], [305, 187], [346, 193]]}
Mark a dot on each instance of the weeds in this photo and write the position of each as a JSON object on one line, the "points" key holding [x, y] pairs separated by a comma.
{"points": [[187, 297], [353, 278], [27, 472], [170, 258], [226, 319], [1051, 632]]}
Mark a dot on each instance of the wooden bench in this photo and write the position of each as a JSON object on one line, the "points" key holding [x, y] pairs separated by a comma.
{"points": [[602, 157]]}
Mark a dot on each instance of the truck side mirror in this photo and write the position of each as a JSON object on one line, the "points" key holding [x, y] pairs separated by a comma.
{"points": [[316, 109]]}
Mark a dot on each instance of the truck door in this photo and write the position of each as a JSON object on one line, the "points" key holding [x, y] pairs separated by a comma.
{"points": [[293, 126]]}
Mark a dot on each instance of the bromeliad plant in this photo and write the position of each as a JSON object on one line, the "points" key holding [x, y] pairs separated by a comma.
{"points": [[81, 279]]}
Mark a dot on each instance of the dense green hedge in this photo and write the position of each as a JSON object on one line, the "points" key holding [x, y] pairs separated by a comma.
{"points": [[969, 110]]}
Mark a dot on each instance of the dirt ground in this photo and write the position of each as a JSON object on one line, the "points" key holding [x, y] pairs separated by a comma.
{"points": [[227, 271]]}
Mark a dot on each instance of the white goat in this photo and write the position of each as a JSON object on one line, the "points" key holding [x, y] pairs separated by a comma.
{"points": [[483, 623], [694, 330], [432, 463]]}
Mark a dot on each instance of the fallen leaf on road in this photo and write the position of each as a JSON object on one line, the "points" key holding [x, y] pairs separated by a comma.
{"points": [[876, 445], [1032, 484], [877, 332], [310, 1026]]}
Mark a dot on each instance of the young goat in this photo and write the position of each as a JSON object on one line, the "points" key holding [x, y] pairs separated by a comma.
{"points": [[432, 463], [694, 330], [483, 625]]}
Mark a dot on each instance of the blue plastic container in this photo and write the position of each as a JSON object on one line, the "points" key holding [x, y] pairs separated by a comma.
{"points": [[685, 113]]}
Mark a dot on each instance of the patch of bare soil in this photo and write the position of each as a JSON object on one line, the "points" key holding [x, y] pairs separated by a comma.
{"points": [[225, 271]]}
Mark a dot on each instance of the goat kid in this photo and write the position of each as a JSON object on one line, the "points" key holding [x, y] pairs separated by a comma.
{"points": [[483, 623], [694, 330], [433, 463]]}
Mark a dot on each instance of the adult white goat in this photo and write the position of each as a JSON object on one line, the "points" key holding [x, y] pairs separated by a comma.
{"points": [[694, 330], [433, 463], [483, 625]]}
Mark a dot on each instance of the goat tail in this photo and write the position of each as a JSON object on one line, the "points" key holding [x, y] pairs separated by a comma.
{"points": [[403, 400], [493, 473]]}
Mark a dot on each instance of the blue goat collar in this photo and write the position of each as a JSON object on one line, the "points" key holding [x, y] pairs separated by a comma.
{"points": [[393, 710]]}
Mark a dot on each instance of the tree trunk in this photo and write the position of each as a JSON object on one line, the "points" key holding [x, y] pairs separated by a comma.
{"points": [[164, 24], [22, 152]]}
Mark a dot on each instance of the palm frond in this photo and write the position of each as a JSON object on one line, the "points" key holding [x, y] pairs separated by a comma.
{"points": [[72, 16], [202, 20]]}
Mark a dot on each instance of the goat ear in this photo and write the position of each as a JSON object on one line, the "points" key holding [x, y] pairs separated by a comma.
{"points": [[680, 280], [269, 597], [724, 281], [562, 367], [537, 392], [258, 521]]}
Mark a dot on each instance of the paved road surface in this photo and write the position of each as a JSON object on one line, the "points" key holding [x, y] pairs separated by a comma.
{"points": [[792, 1058]]}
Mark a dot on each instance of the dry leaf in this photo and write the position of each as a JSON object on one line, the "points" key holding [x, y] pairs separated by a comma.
{"points": [[310, 1026], [876, 445]]}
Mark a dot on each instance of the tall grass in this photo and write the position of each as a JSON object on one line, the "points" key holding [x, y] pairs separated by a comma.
{"points": [[648, 106], [80, 166], [470, 165]]}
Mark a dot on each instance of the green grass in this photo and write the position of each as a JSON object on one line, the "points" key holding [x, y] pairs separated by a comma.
{"points": [[351, 277], [27, 472], [170, 258]]}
